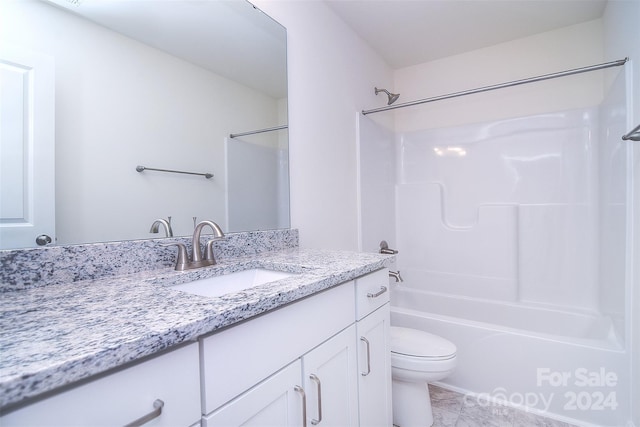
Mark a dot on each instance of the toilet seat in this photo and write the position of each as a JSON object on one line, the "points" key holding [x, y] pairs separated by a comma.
{"points": [[415, 344]]}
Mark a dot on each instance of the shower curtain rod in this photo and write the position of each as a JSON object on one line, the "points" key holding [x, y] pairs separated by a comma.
{"points": [[500, 86], [233, 135], [632, 135]]}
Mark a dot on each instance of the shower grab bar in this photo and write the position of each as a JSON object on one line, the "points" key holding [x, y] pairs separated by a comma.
{"points": [[143, 168], [234, 135], [500, 85], [633, 135]]}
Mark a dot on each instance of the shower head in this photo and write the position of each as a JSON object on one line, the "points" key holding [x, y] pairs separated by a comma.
{"points": [[393, 97]]}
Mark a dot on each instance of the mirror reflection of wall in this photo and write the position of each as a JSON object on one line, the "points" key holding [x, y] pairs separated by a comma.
{"points": [[120, 103], [268, 180]]}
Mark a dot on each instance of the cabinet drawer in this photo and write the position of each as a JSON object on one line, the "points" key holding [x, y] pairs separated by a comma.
{"points": [[235, 359], [124, 396], [372, 291]]}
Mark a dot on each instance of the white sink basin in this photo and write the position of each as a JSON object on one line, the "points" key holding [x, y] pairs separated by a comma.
{"points": [[232, 282]]}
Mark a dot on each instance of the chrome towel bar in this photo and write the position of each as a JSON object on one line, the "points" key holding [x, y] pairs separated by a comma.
{"points": [[143, 168]]}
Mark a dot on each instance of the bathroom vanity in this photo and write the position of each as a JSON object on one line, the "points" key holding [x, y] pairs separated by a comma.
{"points": [[311, 348], [320, 364]]}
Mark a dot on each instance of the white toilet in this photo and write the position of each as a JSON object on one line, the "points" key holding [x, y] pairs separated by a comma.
{"points": [[417, 358]]}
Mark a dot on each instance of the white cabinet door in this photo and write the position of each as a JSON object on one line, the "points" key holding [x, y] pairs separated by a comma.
{"points": [[374, 369], [124, 396], [276, 402], [237, 358], [331, 384]]}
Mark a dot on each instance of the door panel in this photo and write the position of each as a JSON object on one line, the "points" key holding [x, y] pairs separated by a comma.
{"points": [[27, 148]]}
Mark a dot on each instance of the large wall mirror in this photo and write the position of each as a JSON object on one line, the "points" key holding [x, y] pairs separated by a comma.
{"points": [[157, 84]]}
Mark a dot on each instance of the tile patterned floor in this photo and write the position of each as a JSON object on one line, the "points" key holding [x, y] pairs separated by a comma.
{"points": [[450, 409]]}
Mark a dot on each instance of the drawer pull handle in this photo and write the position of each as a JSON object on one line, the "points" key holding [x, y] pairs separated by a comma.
{"points": [[382, 290], [366, 341], [319, 385], [158, 405], [304, 404]]}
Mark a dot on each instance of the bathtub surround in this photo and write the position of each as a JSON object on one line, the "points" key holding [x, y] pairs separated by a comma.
{"points": [[27, 268], [511, 216], [513, 238]]}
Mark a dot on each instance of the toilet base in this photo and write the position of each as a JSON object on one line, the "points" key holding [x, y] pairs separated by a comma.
{"points": [[411, 404]]}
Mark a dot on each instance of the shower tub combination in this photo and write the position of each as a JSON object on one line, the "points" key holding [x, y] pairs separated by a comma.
{"points": [[512, 238]]}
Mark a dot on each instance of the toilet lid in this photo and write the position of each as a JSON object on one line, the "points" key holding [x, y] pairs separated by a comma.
{"points": [[413, 342]]}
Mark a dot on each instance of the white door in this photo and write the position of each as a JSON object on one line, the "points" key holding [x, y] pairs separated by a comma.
{"points": [[374, 367], [275, 402], [330, 375], [27, 148]]}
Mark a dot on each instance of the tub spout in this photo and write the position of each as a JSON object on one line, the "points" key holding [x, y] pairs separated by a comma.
{"points": [[396, 275]]}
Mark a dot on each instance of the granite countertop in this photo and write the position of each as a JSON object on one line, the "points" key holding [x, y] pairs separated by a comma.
{"points": [[58, 334]]}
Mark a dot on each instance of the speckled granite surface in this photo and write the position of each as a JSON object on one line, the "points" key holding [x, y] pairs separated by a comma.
{"points": [[25, 268], [54, 335]]}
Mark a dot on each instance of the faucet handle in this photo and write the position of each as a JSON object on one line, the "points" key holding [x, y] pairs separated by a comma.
{"points": [[183, 258], [208, 251]]}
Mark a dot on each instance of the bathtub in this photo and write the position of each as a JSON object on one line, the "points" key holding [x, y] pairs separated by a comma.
{"points": [[566, 365]]}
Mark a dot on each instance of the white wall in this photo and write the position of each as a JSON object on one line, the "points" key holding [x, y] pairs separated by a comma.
{"points": [[570, 47], [621, 39], [332, 73], [120, 103], [377, 178]]}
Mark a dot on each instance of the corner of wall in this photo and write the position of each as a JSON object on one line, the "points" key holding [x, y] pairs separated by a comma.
{"points": [[621, 40]]}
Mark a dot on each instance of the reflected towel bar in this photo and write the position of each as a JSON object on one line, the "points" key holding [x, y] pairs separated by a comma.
{"points": [[233, 135], [633, 135], [500, 86], [143, 168]]}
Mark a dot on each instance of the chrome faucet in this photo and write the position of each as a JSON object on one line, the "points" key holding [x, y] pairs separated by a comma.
{"points": [[196, 257], [196, 260], [165, 224]]}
